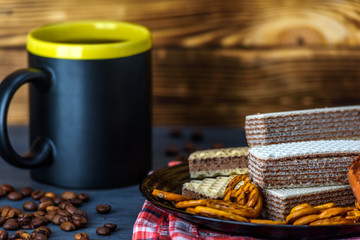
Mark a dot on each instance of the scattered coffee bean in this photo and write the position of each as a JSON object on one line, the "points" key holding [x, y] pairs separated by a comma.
{"points": [[43, 230], [45, 199], [4, 235], [39, 214], [197, 136], [189, 147], [175, 132], [83, 197], [26, 191], [67, 226], [52, 209], [27, 227], [111, 226], [2, 220], [11, 224], [103, 208], [172, 150], [30, 206], [7, 188], [51, 195], [8, 213], [38, 221], [2, 192], [76, 202], [57, 200], [25, 236], [42, 206], [103, 231], [39, 236], [37, 194], [56, 219], [17, 211], [217, 145], [15, 196], [68, 195], [81, 236]]}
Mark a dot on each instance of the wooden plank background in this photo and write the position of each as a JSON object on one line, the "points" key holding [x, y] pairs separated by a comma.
{"points": [[214, 62]]}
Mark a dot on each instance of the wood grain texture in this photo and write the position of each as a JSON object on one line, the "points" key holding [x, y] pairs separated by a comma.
{"points": [[215, 62]]}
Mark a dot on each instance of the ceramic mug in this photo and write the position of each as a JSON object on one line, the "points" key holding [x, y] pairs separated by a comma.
{"points": [[90, 104]]}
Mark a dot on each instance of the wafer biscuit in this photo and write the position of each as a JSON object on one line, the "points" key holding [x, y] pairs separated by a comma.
{"points": [[303, 125], [215, 162], [212, 188], [302, 164], [279, 202]]}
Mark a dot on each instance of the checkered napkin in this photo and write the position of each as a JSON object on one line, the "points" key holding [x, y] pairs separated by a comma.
{"points": [[155, 223]]}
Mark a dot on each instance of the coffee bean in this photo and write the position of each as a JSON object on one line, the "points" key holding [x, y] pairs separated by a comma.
{"points": [[7, 188], [25, 236], [17, 211], [30, 206], [11, 224], [63, 213], [197, 135], [24, 220], [172, 150], [175, 132], [45, 199], [103, 231], [79, 221], [39, 236], [14, 196], [8, 213], [28, 227], [73, 210], [26, 191], [111, 226], [37, 194], [83, 197], [44, 205], [217, 145], [67, 226], [81, 236], [103, 208], [41, 230], [4, 235], [38, 221], [2, 192], [39, 214], [189, 147], [51, 195], [56, 219], [76, 202], [63, 205], [52, 209], [68, 195], [2, 220], [57, 200]]}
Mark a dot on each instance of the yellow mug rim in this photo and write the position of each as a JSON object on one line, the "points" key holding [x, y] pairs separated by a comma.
{"points": [[69, 40]]}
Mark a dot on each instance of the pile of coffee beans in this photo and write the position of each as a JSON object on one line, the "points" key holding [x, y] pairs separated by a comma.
{"points": [[45, 208]]}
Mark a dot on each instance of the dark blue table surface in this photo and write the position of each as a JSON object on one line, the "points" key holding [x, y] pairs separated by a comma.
{"points": [[126, 202]]}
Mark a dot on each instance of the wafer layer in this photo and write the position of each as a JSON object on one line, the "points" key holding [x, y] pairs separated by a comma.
{"points": [[213, 188], [215, 162], [303, 125], [302, 164], [279, 202]]}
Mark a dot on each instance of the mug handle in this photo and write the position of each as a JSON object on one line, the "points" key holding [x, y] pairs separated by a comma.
{"points": [[41, 149]]}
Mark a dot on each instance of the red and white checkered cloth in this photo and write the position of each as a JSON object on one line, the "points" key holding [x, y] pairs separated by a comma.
{"points": [[155, 223]]}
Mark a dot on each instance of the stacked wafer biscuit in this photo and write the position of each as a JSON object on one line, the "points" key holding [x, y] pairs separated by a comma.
{"points": [[211, 170], [292, 168], [304, 125]]}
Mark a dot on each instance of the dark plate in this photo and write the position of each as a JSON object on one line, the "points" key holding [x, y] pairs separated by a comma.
{"points": [[171, 179]]}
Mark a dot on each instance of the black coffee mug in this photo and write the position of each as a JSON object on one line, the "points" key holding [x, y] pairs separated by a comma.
{"points": [[90, 104]]}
